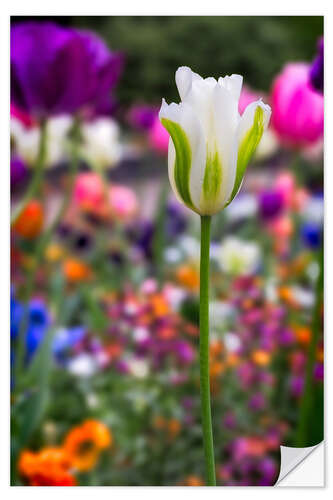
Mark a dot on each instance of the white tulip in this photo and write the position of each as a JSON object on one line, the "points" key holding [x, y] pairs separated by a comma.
{"points": [[210, 143], [101, 146], [239, 257], [27, 140]]}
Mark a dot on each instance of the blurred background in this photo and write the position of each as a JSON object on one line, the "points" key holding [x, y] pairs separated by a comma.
{"points": [[105, 261]]}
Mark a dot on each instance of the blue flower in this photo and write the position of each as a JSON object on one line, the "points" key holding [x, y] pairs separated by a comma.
{"points": [[67, 338], [311, 235], [16, 314]]}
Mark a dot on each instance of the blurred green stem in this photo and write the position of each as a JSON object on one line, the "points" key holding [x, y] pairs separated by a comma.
{"points": [[39, 252], [159, 230], [204, 352], [306, 405], [37, 174]]}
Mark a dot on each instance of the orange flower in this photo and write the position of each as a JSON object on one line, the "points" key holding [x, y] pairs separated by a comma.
{"points": [[232, 359], [84, 443], [287, 296], [30, 222], [159, 305], [48, 467], [75, 270], [215, 348], [194, 481], [216, 368], [188, 277], [303, 334], [260, 357], [173, 427]]}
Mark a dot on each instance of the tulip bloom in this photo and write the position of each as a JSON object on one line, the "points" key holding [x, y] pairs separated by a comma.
{"points": [[56, 70], [211, 144], [298, 110], [210, 147]]}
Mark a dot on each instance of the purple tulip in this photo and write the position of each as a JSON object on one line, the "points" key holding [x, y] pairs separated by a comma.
{"points": [[271, 204], [18, 171], [317, 69], [60, 70], [142, 116]]}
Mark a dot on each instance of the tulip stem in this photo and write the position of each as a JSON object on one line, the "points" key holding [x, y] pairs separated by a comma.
{"points": [[306, 406], [37, 175], [204, 352]]}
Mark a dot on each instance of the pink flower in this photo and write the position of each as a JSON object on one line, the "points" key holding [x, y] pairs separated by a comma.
{"points": [[158, 137], [89, 192], [247, 96], [285, 184], [297, 110], [123, 202]]}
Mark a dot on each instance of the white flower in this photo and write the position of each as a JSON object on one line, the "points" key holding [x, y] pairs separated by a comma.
{"points": [[303, 296], [101, 146], [82, 365], [138, 368], [26, 140], [232, 342], [239, 257], [220, 313], [210, 144], [243, 207]]}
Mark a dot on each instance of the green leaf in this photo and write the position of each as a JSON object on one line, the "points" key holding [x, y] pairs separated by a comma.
{"points": [[183, 160], [247, 149]]}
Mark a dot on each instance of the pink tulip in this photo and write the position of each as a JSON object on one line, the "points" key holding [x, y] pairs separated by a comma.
{"points": [[297, 110], [285, 184], [159, 137], [89, 193], [123, 202], [247, 96]]}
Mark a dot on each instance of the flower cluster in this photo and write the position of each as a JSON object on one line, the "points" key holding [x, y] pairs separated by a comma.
{"points": [[57, 466]]}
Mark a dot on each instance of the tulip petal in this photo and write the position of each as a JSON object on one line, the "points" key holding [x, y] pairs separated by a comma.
{"points": [[252, 125], [184, 78], [232, 83], [186, 151], [211, 188]]}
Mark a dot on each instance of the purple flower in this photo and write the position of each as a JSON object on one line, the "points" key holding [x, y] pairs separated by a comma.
{"points": [[60, 70], [296, 385], [267, 468], [18, 172], [142, 116], [257, 402], [287, 336], [270, 204], [229, 420], [319, 371], [317, 68]]}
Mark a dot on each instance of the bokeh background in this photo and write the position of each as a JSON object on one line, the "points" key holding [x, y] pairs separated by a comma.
{"points": [[105, 261]]}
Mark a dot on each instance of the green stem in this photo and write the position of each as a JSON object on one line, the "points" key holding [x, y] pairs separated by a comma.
{"points": [[306, 405], [40, 249], [37, 175], [204, 352]]}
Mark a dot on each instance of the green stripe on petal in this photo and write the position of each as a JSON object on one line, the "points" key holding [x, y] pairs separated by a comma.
{"points": [[212, 181], [247, 148], [183, 162]]}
